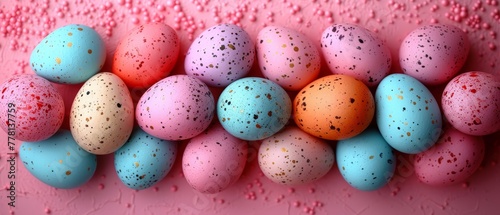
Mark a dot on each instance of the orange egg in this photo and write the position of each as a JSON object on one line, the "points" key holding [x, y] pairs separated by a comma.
{"points": [[334, 107]]}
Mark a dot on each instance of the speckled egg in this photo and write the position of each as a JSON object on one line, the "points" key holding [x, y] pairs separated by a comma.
{"points": [[293, 157], [407, 115], [334, 107], [433, 54], [366, 161], [356, 51], [454, 158], [146, 55], [102, 114], [31, 109], [471, 103], [178, 107], [287, 57], [58, 161], [144, 160], [69, 55], [214, 160], [220, 55], [253, 108]]}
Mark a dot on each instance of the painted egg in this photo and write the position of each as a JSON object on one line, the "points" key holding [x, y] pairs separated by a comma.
{"points": [[102, 114], [31, 109], [433, 54], [220, 55], [214, 160], [144, 160], [356, 51], [178, 107], [454, 158], [334, 107], [146, 55], [253, 108], [293, 157], [471, 103], [408, 115], [287, 57], [69, 55], [58, 161], [366, 161]]}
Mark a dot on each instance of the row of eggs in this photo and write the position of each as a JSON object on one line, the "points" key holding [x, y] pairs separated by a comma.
{"points": [[336, 107]]}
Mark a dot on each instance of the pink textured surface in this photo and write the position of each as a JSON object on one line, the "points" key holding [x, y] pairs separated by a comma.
{"points": [[24, 23]]}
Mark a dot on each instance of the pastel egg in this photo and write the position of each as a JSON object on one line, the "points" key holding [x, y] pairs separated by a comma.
{"points": [[471, 103], [58, 161], [102, 114], [31, 109], [356, 51], [144, 160], [407, 114], [178, 107], [220, 55], [287, 57], [293, 157], [146, 55], [454, 158], [253, 108], [69, 55], [334, 107], [214, 160], [433, 54]]}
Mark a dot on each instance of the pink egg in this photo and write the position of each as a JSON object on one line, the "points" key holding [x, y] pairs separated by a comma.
{"points": [[454, 158], [31, 109], [471, 103], [214, 160]]}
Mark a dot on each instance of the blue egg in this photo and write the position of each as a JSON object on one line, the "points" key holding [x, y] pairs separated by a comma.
{"points": [[69, 55], [366, 161], [253, 108], [58, 161], [144, 160]]}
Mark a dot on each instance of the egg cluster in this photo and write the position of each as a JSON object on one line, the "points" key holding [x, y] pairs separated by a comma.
{"points": [[361, 109]]}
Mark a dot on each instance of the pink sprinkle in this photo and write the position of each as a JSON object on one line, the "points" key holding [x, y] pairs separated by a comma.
{"points": [[296, 204], [47, 210], [174, 188], [101, 187]]}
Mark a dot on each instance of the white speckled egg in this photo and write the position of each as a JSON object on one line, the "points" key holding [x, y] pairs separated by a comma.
{"points": [[407, 114], [178, 107], [220, 55], [69, 55], [144, 160], [287, 57], [214, 160], [293, 157], [356, 51], [102, 114], [366, 161], [433, 54]]}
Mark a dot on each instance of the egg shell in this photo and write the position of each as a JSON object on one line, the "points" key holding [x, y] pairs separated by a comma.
{"points": [[454, 158], [356, 51], [293, 157], [102, 114], [433, 54], [366, 161], [253, 108], [287, 57], [178, 107], [146, 55], [58, 161], [407, 114], [220, 55], [334, 107], [69, 55], [144, 160], [471, 103], [31, 109], [214, 160]]}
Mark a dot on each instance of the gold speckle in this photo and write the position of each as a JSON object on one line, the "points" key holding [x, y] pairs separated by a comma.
{"points": [[89, 51], [152, 128], [68, 172], [80, 29], [70, 34], [68, 153], [58, 60], [371, 157], [292, 65], [389, 98], [296, 49], [136, 164], [400, 97], [70, 44], [408, 134], [284, 149], [60, 161], [283, 46], [231, 46]]}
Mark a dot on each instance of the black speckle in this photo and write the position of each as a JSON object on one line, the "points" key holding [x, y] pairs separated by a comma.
{"points": [[352, 100], [118, 105]]}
